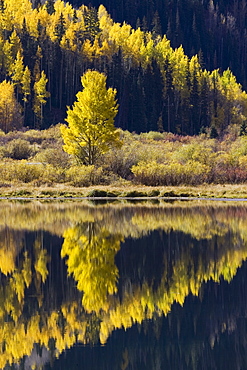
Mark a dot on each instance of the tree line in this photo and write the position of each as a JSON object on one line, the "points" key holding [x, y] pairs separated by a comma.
{"points": [[214, 28], [46, 48]]}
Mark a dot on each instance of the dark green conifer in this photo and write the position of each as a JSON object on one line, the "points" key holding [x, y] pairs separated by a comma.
{"points": [[50, 6], [60, 27]]}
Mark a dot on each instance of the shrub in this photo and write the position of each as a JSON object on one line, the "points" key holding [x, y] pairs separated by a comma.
{"points": [[2, 151], [153, 135], [19, 149], [97, 193], [135, 194], [120, 161], [20, 171], [154, 174], [53, 174], [196, 151], [84, 175], [53, 156]]}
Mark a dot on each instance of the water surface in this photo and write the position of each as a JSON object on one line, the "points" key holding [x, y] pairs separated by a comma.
{"points": [[123, 285]]}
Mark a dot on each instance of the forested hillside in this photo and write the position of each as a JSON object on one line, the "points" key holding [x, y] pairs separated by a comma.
{"points": [[44, 50], [215, 28]]}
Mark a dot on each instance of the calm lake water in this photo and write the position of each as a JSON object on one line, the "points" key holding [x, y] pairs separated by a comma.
{"points": [[123, 285]]}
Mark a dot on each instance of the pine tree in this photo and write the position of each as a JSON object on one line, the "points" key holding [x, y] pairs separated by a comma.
{"points": [[91, 23], [156, 30], [60, 28], [50, 6]]}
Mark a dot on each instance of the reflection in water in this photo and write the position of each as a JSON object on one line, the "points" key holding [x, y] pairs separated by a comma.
{"points": [[74, 273]]}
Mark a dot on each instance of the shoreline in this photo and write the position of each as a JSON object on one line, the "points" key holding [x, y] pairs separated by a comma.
{"points": [[60, 192]]}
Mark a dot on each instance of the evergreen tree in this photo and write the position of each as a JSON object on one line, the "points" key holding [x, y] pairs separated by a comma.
{"points": [[91, 23], [60, 28], [156, 29], [49, 5]]}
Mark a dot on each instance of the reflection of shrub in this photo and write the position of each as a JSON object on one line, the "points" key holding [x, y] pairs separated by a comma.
{"points": [[84, 175], [19, 149]]}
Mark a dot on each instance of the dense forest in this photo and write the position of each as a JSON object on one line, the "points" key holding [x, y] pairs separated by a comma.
{"points": [[215, 29], [45, 48]]}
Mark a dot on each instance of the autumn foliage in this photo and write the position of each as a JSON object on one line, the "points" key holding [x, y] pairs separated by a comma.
{"points": [[45, 50]]}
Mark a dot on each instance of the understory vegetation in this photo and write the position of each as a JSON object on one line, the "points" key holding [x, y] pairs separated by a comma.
{"points": [[45, 48], [153, 159]]}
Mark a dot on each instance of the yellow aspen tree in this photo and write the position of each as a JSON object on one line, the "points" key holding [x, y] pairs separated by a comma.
{"points": [[1, 53], [37, 65], [15, 43], [26, 87], [87, 50], [91, 129], [162, 50], [25, 83], [105, 22], [17, 72], [147, 52], [179, 62], [16, 11], [134, 44], [40, 96], [217, 112], [8, 59], [10, 109]]}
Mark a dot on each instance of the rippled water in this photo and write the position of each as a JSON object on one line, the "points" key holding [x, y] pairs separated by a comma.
{"points": [[123, 285]]}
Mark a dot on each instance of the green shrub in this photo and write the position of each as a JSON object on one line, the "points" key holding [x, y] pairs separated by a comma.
{"points": [[97, 193], [154, 193], [153, 135], [135, 194]]}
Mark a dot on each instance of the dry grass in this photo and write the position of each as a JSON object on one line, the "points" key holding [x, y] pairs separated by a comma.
{"points": [[127, 191]]}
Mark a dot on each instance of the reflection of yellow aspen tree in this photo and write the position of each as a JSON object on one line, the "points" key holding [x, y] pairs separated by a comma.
{"points": [[91, 262], [41, 260]]}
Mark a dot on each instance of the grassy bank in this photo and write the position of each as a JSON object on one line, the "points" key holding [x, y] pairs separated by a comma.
{"points": [[34, 165], [131, 191]]}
